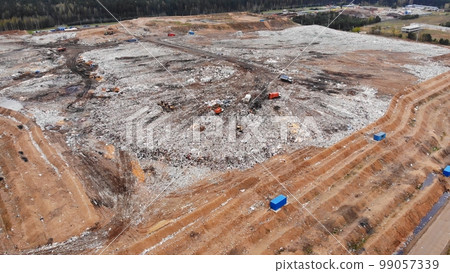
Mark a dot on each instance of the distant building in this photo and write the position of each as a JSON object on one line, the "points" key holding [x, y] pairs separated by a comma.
{"points": [[422, 7], [411, 28]]}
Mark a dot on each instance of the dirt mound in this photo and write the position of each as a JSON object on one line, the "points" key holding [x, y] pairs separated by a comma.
{"points": [[14, 32], [360, 189], [42, 200]]}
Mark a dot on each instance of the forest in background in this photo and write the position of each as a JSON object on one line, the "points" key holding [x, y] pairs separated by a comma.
{"points": [[38, 14], [335, 21]]}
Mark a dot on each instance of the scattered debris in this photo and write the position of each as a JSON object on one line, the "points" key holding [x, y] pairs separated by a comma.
{"points": [[166, 106], [247, 98]]}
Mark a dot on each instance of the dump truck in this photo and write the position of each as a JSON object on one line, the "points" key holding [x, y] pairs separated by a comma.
{"points": [[274, 95], [286, 78]]}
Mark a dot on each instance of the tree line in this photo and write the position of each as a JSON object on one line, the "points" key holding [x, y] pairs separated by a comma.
{"points": [[333, 20], [38, 14]]}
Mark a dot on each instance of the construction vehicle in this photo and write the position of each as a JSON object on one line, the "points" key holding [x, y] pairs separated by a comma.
{"points": [[274, 95], [109, 31], [171, 34], [218, 110], [286, 78]]}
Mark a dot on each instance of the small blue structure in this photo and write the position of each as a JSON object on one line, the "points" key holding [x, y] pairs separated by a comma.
{"points": [[278, 202], [191, 32], [262, 20], [379, 136], [446, 171], [60, 28], [134, 40]]}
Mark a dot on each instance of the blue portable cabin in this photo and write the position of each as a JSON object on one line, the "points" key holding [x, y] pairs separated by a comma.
{"points": [[191, 32], [134, 40], [446, 171], [379, 136], [278, 202], [262, 20], [60, 28]]}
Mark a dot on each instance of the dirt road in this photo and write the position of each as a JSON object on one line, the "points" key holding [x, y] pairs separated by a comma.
{"points": [[437, 237], [245, 65]]}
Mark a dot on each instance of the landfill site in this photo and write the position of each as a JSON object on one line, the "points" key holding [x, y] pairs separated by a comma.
{"points": [[172, 135]]}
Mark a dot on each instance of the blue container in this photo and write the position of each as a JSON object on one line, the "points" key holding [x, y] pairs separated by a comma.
{"points": [[278, 202], [262, 20], [379, 136], [134, 40], [446, 171], [191, 32]]}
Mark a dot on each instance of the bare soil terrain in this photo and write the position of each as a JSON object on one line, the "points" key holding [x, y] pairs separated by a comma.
{"points": [[364, 192], [111, 146]]}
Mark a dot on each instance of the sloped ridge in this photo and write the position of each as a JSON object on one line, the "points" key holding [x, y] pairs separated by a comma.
{"points": [[42, 200], [364, 193]]}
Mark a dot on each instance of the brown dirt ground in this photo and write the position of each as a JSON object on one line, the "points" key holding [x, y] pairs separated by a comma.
{"points": [[214, 25], [42, 198], [379, 69], [364, 192]]}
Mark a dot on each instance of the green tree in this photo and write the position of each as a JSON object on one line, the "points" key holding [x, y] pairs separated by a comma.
{"points": [[444, 42], [412, 36], [426, 37]]}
